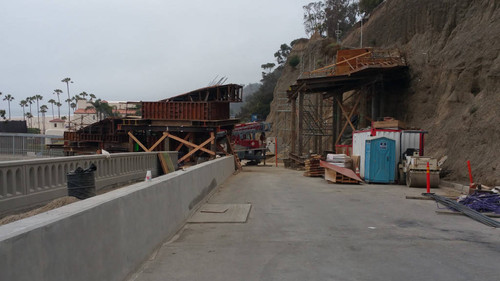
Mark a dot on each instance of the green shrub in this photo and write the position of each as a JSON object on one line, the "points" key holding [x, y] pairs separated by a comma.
{"points": [[294, 61]]}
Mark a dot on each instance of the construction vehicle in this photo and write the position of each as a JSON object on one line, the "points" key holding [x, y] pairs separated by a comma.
{"points": [[250, 141], [413, 170]]}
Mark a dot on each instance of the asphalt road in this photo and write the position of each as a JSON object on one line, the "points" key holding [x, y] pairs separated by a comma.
{"points": [[302, 228]]}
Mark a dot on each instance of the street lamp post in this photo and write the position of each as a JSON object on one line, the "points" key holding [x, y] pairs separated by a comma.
{"points": [[67, 80]]}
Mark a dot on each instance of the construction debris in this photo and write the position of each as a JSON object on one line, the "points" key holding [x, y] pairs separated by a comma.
{"points": [[313, 169], [464, 209], [482, 202]]}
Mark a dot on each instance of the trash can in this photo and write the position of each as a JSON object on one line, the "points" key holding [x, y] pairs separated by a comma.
{"points": [[81, 183]]}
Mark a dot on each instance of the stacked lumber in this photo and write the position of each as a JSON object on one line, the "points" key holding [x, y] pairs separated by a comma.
{"points": [[313, 169], [389, 123]]}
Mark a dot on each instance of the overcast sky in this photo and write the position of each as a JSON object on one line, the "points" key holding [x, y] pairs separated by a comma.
{"points": [[138, 50]]}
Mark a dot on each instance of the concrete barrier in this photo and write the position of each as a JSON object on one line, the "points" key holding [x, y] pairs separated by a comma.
{"points": [[31, 182], [106, 237]]}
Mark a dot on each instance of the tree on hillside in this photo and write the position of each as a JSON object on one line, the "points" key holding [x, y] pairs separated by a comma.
{"points": [[314, 18], [282, 54], [341, 14], [260, 102], [268, 67], [367, 6]]}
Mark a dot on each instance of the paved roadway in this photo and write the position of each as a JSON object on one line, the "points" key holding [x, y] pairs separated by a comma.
{"points": [[303, 228]]}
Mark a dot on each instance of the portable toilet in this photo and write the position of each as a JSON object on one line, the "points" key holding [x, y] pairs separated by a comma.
{"points": [[380, 159]]}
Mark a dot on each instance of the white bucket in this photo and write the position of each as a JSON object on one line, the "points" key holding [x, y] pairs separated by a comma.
{"points": [[148, 176]]}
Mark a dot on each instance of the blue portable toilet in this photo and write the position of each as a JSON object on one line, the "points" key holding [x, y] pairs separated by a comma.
{"points": [[380, 160]]}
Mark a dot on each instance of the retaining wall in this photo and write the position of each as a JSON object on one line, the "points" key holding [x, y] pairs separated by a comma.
{"points": [[31, 182], [106, 237]]}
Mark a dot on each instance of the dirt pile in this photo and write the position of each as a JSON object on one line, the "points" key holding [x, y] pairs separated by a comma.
{"points": [[54, 204]]}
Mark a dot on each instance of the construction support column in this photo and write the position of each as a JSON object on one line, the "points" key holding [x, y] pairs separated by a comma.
{"points": [[334, 122], [320, 124], [293, 126], [339, 116], [301, 124], [375, 104], [363, 109], [316, 121]]}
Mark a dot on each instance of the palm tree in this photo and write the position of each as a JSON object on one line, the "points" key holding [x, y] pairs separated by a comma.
{"points": [[92, 97], [30, 102], [43, 109], [58, 92], [52, 102], [29, 116], [23, 104], [67, 80], [8, 98], [58, 104], [73, 106], [38, 98], [84, 95]]}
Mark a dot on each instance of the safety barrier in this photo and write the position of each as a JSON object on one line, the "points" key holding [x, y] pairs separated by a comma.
{"points": [[107, 237], [29, 182]]}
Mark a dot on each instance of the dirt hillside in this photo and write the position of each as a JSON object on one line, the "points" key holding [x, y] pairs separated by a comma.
{"points": [[452, 48]]}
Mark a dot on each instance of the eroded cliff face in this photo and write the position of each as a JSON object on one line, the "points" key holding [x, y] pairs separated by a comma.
{"points": [[452, 48]]}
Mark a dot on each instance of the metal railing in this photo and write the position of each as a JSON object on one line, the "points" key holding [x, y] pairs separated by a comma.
{"points": [[29, 145]]}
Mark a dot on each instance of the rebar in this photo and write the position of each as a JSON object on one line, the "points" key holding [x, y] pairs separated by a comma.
{"points": [[464, 210]]}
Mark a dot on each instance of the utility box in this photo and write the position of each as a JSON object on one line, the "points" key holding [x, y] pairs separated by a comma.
{"points": [[380, 159]]}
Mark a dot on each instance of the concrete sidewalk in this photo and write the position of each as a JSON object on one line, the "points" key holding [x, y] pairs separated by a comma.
{"points": [[302, 228]]}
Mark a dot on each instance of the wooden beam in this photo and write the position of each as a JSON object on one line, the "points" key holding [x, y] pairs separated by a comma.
{"points": [[189, 143], [137, 141], [157, 143], [348, 119], [182, 144], [346, 116], [198, 147]]}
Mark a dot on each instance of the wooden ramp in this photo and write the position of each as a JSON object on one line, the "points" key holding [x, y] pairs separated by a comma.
{"points": [[338, 174]]}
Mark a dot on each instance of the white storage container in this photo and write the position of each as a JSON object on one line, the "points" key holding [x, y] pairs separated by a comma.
{"points": [[404, 139]]}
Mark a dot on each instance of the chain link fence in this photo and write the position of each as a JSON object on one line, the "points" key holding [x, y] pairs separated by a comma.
{"points": [[18, 146]]}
